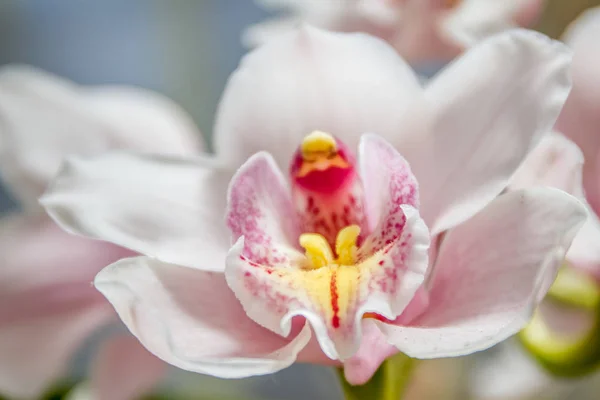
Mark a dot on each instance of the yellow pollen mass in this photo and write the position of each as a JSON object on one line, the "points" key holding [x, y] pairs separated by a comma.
{"points": [[345, 245], [318, 144], [317, 249], [319, 252]]}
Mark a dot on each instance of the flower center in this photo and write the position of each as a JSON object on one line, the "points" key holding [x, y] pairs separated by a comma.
{"points": [[319, 153], [326, 188], [319, 253]]}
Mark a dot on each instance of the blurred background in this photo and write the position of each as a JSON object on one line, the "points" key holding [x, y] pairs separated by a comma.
{"points": [[184, 49]]}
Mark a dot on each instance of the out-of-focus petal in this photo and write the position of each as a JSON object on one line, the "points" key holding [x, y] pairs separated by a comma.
{"points": [[474, 20], [124, 370], [584, 253], [555, 162], [191, 319], [489, 273], [44, 118], [35, 353], [579, 119], [164, 207], [488, 109], [509, 373], [343, 84], [47, 306]]}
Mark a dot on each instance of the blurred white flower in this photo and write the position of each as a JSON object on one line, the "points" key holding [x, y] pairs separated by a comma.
{"points": [[424, 32], [48, 307]]}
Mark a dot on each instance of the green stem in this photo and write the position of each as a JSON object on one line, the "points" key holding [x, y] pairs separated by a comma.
{"points": [[389, 382]]}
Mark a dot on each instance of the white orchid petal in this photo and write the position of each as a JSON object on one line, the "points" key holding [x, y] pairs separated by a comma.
{"points": [[191, 319], [491, 273], [44, 118], [164, 207], [309, 79], [487, 109]]}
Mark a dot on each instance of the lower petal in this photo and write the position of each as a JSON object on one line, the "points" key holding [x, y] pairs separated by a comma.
{"points": [[36, 353], [124, 370], [191, 319], [521, 239]]}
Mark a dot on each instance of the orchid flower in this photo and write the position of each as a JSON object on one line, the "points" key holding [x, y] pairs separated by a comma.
{"points": [[247, 269], [48, 308], [424, 32], [560, 163]]}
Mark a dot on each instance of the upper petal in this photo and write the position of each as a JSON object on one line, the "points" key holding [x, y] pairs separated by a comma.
{"points": [[487, 109], [123, 369], [344, 84], [490, 273], [164, 207], [191, 319], [555, 162], [44, 118]]}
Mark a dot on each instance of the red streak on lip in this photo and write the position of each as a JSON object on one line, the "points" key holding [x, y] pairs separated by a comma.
{"points": [[335, 320], [376, 316]]}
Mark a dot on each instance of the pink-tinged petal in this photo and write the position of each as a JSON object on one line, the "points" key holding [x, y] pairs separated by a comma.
{"points": [[419, 38], [191, 319], [164, 207], [490, 273], [488, 108], [333, 299], [579, 119], [388, 183], [123, 370], [309, 79], [35, 353], [584, 253], [373, 350], [474, 20], [374, 17], [557, 162], [260, 209], [47, 305], [44, 118], [554, 162]]}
